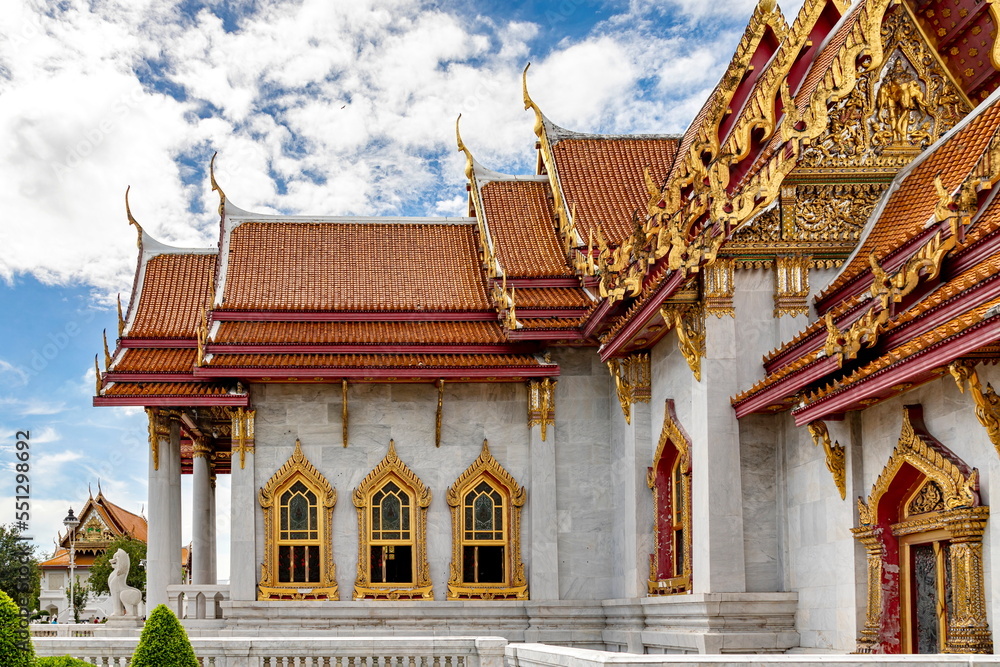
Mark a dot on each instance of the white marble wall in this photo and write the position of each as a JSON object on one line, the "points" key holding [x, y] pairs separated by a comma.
{"points": [[583, 464]]}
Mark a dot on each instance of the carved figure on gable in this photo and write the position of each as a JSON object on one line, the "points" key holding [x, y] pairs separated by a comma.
{"points": [[124, 598], [902, 114]]}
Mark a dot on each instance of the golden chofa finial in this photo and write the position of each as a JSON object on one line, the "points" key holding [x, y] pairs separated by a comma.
{"points": [[767, 6], [530, 104], [132, 220], [97, 380], [215, 184], [107, 353], [121, 319], [469, 162]]}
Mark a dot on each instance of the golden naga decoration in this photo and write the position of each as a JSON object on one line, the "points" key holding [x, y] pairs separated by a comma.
{"points": [[242, 432], [505, 303], [673, 435], [541, 404], [98, 385], [487, 470], [121, 319], [107, 353], [298, 478], [633, 384], [215, 184], [689, 323], [392, 470], [950, 513], [202, 336], [791, 286], [835, 455], [986, 399], [490, 262], [567, 226]]}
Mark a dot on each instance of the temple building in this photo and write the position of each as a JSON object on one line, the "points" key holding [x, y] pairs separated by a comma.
{"points": [[727, 391], [101, 523]]}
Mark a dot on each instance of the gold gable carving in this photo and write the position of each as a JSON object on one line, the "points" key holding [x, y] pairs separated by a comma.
{"points": [[516, 587], [388, 468], [297, 467]]}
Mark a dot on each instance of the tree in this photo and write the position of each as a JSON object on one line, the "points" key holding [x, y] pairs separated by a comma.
{"points": [[163, 642], [81, 593], [16, 649], [14, 555], [101, 569]]}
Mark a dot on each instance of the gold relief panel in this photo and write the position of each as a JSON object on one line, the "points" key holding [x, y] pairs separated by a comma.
{"points": [[541, 404], [791, 286], [486, 504], [298, 533], [243, 432], [894, 110], [392, 507], [718, 280]]}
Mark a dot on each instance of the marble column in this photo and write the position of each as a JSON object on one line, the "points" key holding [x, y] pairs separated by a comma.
{"points": [[201, 515], [543, 575], [163, 555], [213, 567], [631, 455], [243, 565], [716, 486]]}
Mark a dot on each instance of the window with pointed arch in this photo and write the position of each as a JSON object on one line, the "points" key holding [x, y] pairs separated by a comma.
{"points": [[298, 526], [922, 527], [392, 519], [670, 481], [486, 505]]}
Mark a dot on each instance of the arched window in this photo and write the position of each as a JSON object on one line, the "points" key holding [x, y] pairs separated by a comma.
{"points": [[392, 518], [486, 533], [670, 481], [922, 528], [298, 526]]}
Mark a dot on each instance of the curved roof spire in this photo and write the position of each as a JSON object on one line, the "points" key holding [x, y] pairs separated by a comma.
{"points": [[132, 220], [215, 184], [530, 104], [470, 162]]}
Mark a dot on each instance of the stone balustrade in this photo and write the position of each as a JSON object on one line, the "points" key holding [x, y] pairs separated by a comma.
{"points": [[297, 652], [65, 629], [197, 602]]}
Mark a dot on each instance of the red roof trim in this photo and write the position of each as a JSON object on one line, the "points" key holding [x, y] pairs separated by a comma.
{"points": [[365, 348], [546, 334], [428, 373], [640, 319], [165, 401], [777, 392], [527, 313], [598, 317], [528, 283], [131, 376], [924, 361], [330, 316], [157, 342]]}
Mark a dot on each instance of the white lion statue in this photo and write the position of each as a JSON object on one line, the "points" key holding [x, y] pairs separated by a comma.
{"points": [[124, 599]]}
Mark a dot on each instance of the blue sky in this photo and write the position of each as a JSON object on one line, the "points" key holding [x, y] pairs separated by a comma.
{"points": [[315, 107]]}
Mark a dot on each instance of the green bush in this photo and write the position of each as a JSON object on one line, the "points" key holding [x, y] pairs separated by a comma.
{"points": [[16, 649], [62, 661], [163, 642]]}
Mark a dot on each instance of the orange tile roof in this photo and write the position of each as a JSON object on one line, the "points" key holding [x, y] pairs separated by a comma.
{"points": [[522, 224], [174, 290], [150, 360], [165, 389], [551, 297], [370, 360], [603, 178], [132, 524], [61, 559], [354, 266], [551, 322], [374, 333], [910, 207]]}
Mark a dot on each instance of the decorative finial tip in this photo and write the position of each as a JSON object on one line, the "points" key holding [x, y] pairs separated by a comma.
{"points": [[128, 211]]}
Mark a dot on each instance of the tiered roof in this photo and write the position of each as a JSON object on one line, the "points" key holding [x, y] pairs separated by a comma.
{"points": [[101, 522]]}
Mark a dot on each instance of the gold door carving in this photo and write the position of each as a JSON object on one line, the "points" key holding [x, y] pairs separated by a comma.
{"points": [[297, 473], [925, 495], [676, 444], [487, 471]]}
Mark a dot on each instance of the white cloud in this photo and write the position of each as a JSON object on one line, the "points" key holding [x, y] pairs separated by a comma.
{"points": [[31, 406], [11, 372]]}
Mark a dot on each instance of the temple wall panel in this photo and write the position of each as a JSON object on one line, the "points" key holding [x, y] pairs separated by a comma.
{"points": [[821, 560], [583, 464]]}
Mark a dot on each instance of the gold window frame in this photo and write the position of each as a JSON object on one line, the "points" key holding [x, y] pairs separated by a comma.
{"points": [[673, 433], [513, 587], [959, 519], [297, 468], [392, 469]]}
